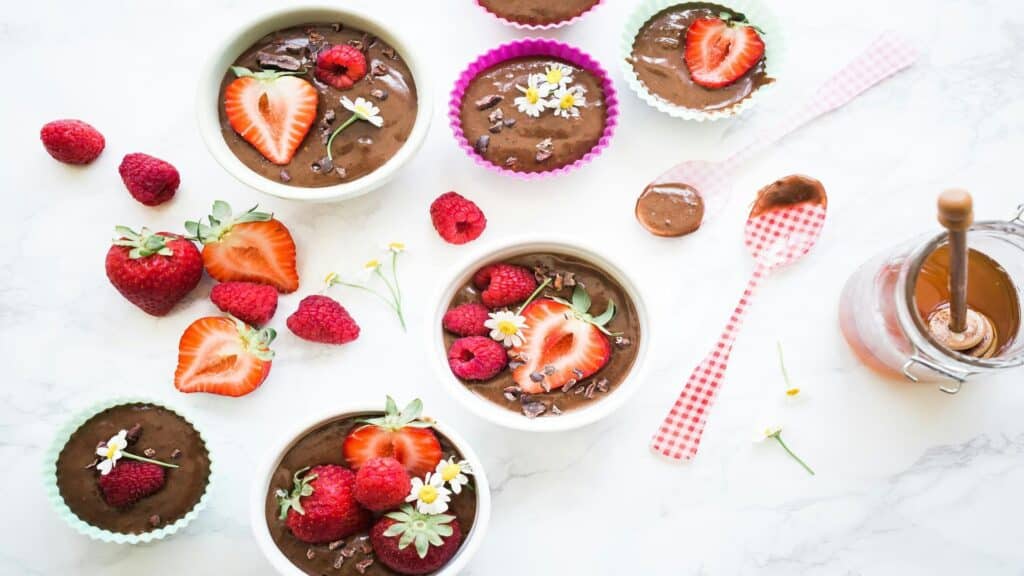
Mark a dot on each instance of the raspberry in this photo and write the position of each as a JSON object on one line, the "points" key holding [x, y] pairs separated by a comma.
{"points": [[149, 180], [504, 284], [323, 319], [341, 66], [130, 481], [476, 358], [251, 303], [382, 484], [466, 320], [457, 219], [72, 141]]}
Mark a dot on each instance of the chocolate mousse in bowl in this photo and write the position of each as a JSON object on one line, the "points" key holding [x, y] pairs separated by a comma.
{"points": [[540, 335], [128, 471], [378, 490], [538, 14], [532, 108], [314, 104], [701, 60]]}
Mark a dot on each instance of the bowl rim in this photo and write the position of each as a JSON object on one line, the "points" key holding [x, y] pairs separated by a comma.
{"points": [[270, 460], [212, 74], [514, 246]]}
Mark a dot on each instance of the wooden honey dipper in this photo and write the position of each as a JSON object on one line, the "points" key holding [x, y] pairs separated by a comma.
{"points": [[954, 325]]}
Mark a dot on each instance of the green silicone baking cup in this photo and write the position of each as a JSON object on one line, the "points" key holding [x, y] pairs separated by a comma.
{"points": [[62, 509], [757, 14]]}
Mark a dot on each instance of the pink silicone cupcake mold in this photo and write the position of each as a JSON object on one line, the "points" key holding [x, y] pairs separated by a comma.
{"points": [[535, 27], [525, 48]]}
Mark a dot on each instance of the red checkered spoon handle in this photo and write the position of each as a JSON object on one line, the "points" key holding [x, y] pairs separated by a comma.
{"points": [[679, 434]]}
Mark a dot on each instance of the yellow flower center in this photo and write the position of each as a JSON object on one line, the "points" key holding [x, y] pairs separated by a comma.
{"points": [[567, 101], [793, 392], [427, 494], [372, 264], [111, 450], [450, 471], [397, 246], [554, 75], [532, 95], [507, 327]]}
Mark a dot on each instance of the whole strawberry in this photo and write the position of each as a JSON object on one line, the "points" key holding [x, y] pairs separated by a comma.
{"points": [[251, 303], [150, 180], [72, 141], [130, 481], [153, 271], [382, 484], [410, 542], [321, 508], [322, 319]]}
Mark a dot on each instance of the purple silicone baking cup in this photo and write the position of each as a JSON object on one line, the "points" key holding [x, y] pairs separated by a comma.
{"points": [[536, 27], [534, 47]]}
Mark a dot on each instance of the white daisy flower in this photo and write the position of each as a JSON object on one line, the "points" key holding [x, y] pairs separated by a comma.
{"points": [[567, 101], [557, 76], [770, 431], [506, 327], [429, 494], [112, 452], [369, 269], [533, 101], [364, 110], [454, 473], [396, 247]]}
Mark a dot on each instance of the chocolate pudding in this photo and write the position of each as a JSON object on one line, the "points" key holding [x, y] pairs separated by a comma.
{"points": [[670, 209], [538, 12], [567, 271], [659, 62], [785, 192], [161, 434], [362, 147], [353, 555], [512, 139]]}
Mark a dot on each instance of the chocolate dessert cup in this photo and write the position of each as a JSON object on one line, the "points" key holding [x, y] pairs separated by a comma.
{"points": [[585, 401], [320, 442], [499, 134], [538, 14], [369, 156], [651, 54], [70, 473]]}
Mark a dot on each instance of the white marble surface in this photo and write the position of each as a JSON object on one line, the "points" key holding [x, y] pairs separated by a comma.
{"points": [[910, 481]]}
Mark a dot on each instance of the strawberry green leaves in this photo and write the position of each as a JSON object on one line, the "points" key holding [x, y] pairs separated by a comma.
{"points": [[221, 221], [421, 530], [301, 487], [581, 309]]}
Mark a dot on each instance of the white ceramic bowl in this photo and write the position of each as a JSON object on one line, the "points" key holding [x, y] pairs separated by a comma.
{"points": [[510, 248], [258, 499], [208, 101]]}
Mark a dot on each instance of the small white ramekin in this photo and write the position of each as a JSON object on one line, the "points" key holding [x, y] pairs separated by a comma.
{"points": [[208, 101], [511, 248], [264, 473]]}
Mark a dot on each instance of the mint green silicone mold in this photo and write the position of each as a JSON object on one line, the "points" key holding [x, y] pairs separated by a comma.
{"points": [[62, 509]]}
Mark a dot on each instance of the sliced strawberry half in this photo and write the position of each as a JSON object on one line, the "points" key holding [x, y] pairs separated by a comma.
{"points": [[223, 356], [561, 342], [718, 51], [271, 110], [400, 435], [247, 247]]}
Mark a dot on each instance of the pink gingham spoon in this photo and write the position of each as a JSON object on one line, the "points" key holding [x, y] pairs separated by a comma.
{"points": [[783, 226], [680, 199]]}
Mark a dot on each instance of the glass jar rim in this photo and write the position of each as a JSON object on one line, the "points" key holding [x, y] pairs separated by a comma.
{"points": [[914, 326]]}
